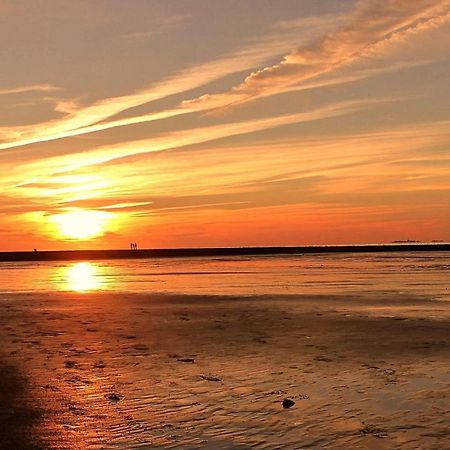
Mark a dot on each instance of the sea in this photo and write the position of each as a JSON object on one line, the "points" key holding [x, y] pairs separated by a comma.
{"points": [[418, 273]]}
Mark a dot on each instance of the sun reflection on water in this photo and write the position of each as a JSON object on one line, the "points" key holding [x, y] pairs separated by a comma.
{"points": [[83, 277]]}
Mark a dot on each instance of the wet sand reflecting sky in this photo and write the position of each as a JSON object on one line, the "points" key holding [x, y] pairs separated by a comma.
{"points": [[406, 272]]}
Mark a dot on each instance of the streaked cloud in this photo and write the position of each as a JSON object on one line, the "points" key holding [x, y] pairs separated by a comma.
{"points": [[372, 29], [100, 155], [82, 119], [357, 36], [32, 88], [162, 25]]}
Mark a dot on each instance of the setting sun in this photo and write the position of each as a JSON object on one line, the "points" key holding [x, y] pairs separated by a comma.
{"points": [[82, 224]]}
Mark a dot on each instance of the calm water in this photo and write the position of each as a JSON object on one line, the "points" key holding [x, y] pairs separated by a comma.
{"points": [[418, 273]]}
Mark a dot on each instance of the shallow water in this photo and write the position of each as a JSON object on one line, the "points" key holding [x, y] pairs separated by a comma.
{"points": [[409, 272]]}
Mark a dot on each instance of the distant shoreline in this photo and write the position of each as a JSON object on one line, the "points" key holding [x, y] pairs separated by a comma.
{"points": [[82, 255]]}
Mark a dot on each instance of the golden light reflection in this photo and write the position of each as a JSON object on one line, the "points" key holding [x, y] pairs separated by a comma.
{"points": [[83, 277], [82, 224]]}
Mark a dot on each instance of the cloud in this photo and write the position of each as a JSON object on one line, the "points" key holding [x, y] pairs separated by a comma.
{"points": [[374, 27], [162, 25], [79, 119], [100, 155], [32, 88], [126, 205], [360, 170], [371, 30]]}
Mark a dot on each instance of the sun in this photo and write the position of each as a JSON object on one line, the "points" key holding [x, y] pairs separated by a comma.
{"points": [[82, 224]]}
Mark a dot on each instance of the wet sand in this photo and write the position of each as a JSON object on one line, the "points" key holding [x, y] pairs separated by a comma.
{"points": [[97, 371]]}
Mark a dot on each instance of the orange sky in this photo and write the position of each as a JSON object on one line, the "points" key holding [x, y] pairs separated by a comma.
{"points": [[198, 123]]}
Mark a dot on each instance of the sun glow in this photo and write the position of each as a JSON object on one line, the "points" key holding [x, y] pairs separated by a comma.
{"points": [[83, 277], [82, 224]]}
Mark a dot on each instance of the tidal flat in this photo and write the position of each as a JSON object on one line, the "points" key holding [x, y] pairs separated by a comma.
{"points": [[116, 370]]}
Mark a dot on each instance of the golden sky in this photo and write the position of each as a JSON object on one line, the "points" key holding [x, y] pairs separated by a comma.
{"points": [[184, 123]]}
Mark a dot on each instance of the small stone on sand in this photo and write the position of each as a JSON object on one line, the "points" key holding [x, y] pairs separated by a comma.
{"points": [[210, 378], [374, 431], [288, 403], [140, 347], [114, 398]]}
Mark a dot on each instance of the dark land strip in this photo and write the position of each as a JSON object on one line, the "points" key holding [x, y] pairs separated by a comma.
{"points": [[80, 255]]}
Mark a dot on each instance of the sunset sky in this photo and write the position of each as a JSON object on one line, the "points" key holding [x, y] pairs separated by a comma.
{"points": [[185, 123]]}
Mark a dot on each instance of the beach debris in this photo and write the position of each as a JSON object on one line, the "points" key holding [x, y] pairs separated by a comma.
{"points": [[70, 364], [288, 403], [210, 378], [373, 430], [114, 397], [181, 357], [51, 387], [76, 410], [141, 347], [186, 360], [302, 396], [278, 392], [78, 352], [370, 366], [127, 336], [323, 358], [390, 375]]}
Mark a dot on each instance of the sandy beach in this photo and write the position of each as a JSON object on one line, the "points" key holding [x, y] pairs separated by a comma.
{"points": [[110, 370]]}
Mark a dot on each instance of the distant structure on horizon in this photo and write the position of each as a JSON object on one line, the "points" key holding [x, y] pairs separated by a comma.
{"points": [[407, 241]]}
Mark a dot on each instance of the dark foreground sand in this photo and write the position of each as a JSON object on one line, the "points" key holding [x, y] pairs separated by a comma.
{"points": [[134, 371]]}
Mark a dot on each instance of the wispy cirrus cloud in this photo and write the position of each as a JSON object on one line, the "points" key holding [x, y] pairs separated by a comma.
{"points": [[373, 27], [173, 140], [80, 119], [160, 26], [371, 30], [31, 88], [315, 168]]}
